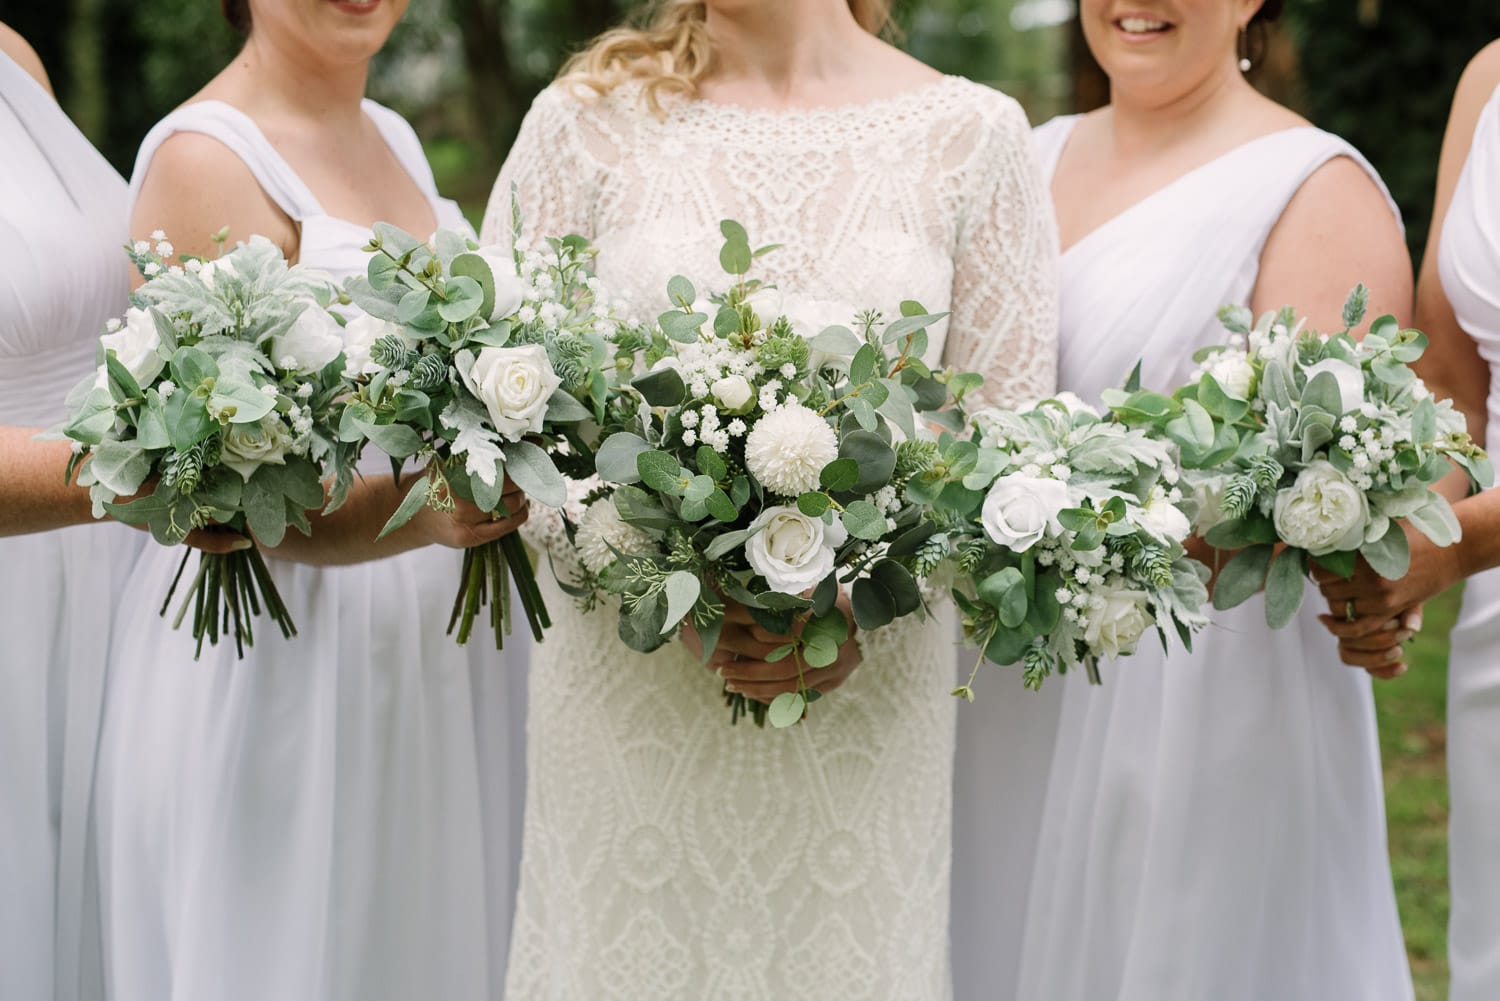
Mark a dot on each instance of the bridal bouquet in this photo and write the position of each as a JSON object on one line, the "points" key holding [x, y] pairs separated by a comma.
{"points": [[1321, 443], [481, 364], [762, 461], [213, 406], [1068, 531]]}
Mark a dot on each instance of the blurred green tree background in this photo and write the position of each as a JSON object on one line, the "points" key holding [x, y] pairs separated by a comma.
{"points": [[1381, 73]]}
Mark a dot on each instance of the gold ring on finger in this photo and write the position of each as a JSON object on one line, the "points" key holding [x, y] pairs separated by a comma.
{"points": [[1349, 610]]}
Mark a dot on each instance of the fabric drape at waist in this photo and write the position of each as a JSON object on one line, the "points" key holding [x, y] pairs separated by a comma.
{"points": [[34, 387]]}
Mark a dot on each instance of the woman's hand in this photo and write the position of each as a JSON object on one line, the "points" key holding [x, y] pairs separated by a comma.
{"points": [[744, 644], [465, 526], [1372, 616]]}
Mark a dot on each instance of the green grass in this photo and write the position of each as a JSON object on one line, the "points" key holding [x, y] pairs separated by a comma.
{"points": [[1412, 744]]}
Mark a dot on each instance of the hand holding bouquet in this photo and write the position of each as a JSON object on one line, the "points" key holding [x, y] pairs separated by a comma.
{"points": [[214, 394], [1320, 444]]}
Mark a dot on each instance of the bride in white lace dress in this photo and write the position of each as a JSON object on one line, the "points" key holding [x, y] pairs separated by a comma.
{"points": [[667, 854]]}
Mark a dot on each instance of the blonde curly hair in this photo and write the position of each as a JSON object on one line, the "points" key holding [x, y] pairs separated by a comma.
{"points": [[669, 51]]}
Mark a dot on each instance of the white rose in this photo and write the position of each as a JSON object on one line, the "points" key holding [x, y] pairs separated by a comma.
{"points": [[788, 448], [1233, 372], [360, 335], [1072, 401], [1350, 378], [137, 346], [510, 288], [792, 551], [313, 340], [810, 317], [1322, 512], [766, 301], [1116, 622], [1020, 509], [247, 447], [514, 384], [601, 533], [734, 393], [1208, 498], [1162, 519]]}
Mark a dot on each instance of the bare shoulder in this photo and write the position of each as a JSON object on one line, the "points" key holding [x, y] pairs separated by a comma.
{"points": [[13, 45], [1480, 80], [194, 186], [1338, 230]]}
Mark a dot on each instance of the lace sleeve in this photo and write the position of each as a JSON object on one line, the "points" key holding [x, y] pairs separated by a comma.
{"points": [[1004, 322], [549, 168]]}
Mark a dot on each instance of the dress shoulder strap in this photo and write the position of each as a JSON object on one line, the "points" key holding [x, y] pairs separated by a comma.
{"points": [[243, 137], [403, 141], [1049, 139], [1280, 163]]}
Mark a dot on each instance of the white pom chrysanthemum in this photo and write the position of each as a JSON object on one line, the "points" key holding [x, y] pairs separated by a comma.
{"points": [[601, 532], [788, 448]]}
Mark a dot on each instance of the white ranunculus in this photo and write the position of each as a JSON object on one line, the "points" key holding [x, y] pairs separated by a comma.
{"points": [[734, 393], [360, 335], [1322, 512], [247, 447], [510, 288], [1164, 520], [313, 340], [1019, 510], [137, 346], [1350, 378], [766, 301], [602, 532], [788, 448], [514, 384], [1116, 621], [1233, 372], [792, 551]]}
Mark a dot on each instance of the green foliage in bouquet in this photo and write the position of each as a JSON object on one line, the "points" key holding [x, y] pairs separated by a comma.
{"points": [[1323, 443], [213, 407], [1068, 538], [483, 375], [763, 459]]}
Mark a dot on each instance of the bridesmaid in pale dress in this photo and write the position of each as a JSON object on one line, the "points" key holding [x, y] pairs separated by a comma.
{"points": [[62, 275], [1214, 824], [1458, 306], [335, 816]]}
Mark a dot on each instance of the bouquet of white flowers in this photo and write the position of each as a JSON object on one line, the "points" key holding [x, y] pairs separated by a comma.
{"points": [[762, 461], [215, 392], [482, 363], [1068, 532], [1321, 443]]}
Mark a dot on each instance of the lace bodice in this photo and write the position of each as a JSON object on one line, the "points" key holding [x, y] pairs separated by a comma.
{"points": [[931, 195]]}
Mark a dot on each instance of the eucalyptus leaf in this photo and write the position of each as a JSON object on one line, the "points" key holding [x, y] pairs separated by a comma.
{"points": [[787, 708], [413, 502], [616, 458], [682, 590], [534, 472]]}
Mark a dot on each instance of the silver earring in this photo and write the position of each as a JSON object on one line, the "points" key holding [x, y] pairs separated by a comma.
{"points": [[1244, 47]]}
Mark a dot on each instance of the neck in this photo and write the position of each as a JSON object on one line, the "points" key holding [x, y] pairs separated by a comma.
{"points": [[289, 82], [1145, 122], [777, 46]]}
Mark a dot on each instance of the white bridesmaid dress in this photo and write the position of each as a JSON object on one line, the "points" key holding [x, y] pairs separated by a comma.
{"points": [[1469, 263], [1214, 824], [62, 275], [334, 817]]}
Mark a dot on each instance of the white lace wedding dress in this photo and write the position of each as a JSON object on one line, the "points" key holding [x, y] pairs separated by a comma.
{"points": [[667, 854]]}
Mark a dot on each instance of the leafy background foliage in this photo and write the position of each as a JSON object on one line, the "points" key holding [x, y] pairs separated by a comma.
{"points": [[1379, 72]]}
